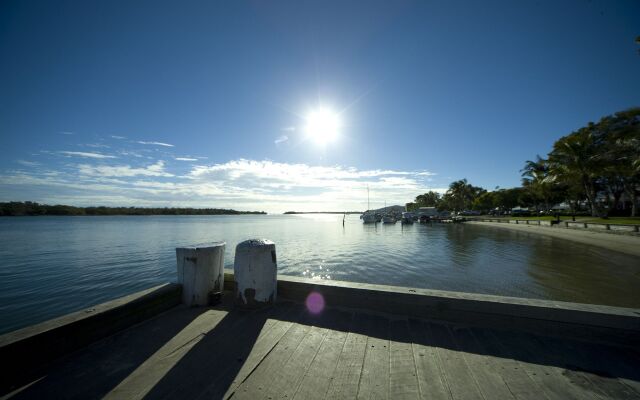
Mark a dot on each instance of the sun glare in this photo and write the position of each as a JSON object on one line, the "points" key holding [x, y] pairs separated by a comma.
{"points": [[323, 126]]}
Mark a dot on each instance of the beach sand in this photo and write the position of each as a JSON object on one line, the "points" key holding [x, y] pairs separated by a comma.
{"points": [[628, 244]]}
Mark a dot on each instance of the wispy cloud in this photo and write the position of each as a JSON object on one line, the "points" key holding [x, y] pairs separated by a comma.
{"points": [[156, 169], [95, 145], [118, 137], [28, 163], [281, 139], [155, 143], [85, 154], [289, 129], [185, 159], [67, 133]]}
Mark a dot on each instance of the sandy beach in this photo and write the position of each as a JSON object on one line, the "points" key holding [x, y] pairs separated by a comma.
{"points": [[623, 243]]}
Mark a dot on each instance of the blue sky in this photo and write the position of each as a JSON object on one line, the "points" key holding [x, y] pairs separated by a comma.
{"points": [[204, 103]]}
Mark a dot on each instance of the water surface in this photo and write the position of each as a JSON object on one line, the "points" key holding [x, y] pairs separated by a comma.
{"points": [[50, 266]]}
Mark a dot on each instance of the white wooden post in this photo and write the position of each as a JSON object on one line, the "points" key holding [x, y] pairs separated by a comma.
{"points": [[255, 272], [201, 273]]}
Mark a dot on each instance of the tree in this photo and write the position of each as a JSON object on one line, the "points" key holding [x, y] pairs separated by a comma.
{"points": [[461, 195], [576, 158], [429, 199], [620, 138], [485, 202]]}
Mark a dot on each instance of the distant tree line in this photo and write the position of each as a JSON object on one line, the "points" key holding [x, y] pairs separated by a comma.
{"points": [[16, 208], [590, 170]]}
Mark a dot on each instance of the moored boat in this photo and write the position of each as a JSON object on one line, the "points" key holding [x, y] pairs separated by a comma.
{"points": [[407, 218], [389, 219]]}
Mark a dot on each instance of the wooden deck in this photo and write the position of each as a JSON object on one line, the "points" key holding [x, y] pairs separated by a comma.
{"points": [[287, 353]]}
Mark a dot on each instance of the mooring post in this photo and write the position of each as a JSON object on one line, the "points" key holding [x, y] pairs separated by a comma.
{"points": [[255, 272], [201, 273]]}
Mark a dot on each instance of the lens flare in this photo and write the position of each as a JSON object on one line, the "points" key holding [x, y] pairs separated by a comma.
{"points": [[315, 303]]}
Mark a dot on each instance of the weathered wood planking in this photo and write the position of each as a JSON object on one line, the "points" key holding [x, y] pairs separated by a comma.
{"points": [[141, 381], [489, 380], [403, 382], [374, 381], [582, 366], [285, 352], [257, 384], [346, 376], [551, 380], [317, 378], [459, 378], [218, 357], [288, 377], [519, 382], [265, 343], [431, 380]]}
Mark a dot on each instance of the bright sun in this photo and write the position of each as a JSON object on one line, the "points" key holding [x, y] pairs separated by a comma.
{"points": [[323, 126]]}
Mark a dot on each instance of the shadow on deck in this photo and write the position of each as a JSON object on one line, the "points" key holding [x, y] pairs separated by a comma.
{"points": [[287, 352]]}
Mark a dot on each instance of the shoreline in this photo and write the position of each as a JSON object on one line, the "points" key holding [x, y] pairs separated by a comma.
{"points": [[621, 243]]}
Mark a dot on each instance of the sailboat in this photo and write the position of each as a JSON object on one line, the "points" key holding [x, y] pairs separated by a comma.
{"points": [[388, 217], [369, 217]]}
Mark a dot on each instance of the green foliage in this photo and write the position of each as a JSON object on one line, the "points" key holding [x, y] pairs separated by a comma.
{"points": [[461, 195], [429, 199], [16, 208], [597, 163], [600, 158]]}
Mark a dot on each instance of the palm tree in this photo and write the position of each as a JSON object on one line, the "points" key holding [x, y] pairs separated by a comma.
{"points": [[621, 142], [537, 180], [461, 194], [576, 158]]}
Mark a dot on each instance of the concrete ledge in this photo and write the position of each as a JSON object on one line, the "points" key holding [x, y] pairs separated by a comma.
{"points": [[623, 228], [604, 227], [595, 323], [579, 225], [513, 221], [29, 349], [545, 223]]}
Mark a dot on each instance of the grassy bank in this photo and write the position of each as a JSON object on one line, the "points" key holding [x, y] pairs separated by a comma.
{"points": [[610, 220]]}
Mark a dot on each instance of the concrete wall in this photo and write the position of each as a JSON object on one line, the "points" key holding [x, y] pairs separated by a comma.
{"points": [[624, 228], [620, 326]]}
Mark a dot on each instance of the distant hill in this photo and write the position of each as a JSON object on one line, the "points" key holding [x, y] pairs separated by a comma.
{"points": [[389, 209]]}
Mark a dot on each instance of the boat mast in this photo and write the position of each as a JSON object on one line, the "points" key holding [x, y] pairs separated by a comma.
{"points": [[368, 207]]}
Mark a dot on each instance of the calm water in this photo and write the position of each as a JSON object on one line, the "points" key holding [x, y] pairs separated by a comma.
{"points": [[50, 266]]}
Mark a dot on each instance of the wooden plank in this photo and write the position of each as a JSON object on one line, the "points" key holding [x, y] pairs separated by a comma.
{"points": [[315, 383], [346, 376], [374, 381], [588, 368], [212, 366], [285, 382], [520, 383], [491, 384], [431, 381], [461, 382], [403, 381], [274, 329], [532, 356], [258, 382], [146, 377], [611, 361]]}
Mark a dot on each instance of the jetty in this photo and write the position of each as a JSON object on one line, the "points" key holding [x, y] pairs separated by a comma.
{"points": [[367, 341]]}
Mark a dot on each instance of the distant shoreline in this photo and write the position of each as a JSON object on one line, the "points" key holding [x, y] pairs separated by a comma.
{"points": [[31, 209], [322, 212]]}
